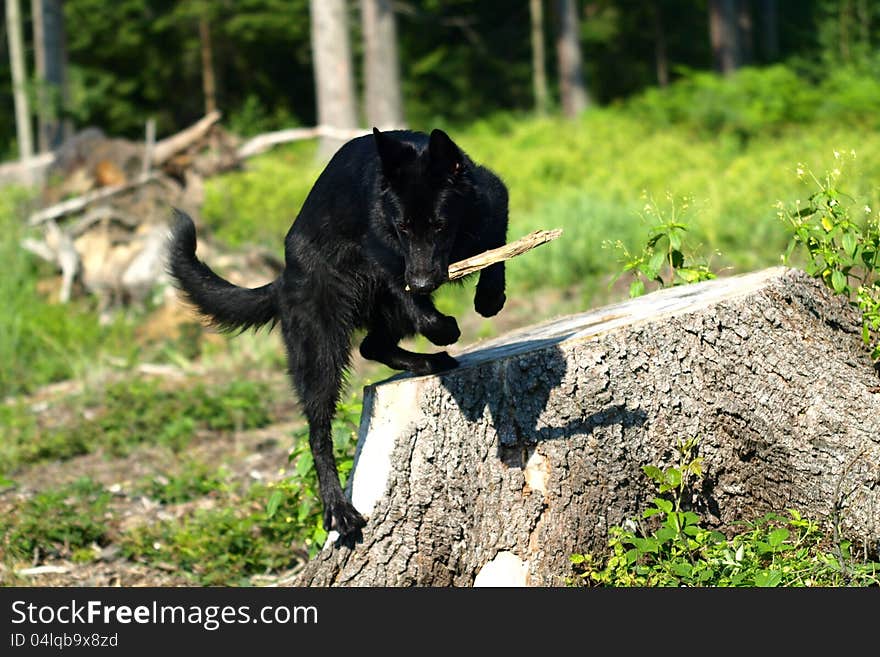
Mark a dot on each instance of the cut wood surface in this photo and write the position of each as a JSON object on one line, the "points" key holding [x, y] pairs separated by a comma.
{"points": [[511, 250], [495, 472]]}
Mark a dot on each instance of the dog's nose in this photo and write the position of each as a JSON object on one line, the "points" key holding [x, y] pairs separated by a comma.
{"points": [[420, 284]]}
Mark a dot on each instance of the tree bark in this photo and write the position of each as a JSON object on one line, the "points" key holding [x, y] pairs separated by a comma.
{"points": [[494, 473], [572, 90], [539, 67], [209, 86], [383, 98], [50, 56], [661, 57], [24, 130], [723, 35], [334, 78], [744, 33]]}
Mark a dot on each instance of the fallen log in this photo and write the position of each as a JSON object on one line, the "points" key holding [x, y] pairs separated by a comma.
{"points": [[166, 148], [26, 172], [79, 203], [494, 473], [264, 142]]}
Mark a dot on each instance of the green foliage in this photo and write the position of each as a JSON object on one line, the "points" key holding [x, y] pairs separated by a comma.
{"points": [[841, 238], [257, 205], [268, 528], [127, 414], [56, 522], [677, 550], [223, 545], [756, 101], [747, 103], [299, 492], [664, 259], [193, 481], [130, 59]]}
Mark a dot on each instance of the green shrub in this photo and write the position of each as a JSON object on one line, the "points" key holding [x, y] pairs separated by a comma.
{"points": [[257, 205], [56, 522], [677, 550]]}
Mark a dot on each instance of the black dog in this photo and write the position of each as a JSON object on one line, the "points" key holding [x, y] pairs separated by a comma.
{"points": [[373, 240]]}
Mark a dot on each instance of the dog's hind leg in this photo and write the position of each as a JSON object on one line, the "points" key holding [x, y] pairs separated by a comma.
{"points": [[317, 362]]}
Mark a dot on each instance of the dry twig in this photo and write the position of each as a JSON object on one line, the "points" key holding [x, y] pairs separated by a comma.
{"points": [[506, 252]]}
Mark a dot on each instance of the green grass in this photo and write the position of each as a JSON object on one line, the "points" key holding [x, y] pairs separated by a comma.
{"points": [[193, 481], [259, 530], [130, 413], [56, 522]]}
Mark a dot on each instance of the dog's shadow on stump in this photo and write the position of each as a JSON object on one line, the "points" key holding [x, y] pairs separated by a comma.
{"points": [[516, 389]]}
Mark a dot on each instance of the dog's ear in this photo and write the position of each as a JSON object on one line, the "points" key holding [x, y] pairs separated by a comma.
{"points": [[392, 153], [446, 157]]}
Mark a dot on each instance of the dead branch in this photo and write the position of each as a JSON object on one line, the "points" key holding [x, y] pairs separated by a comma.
{"points": [[264, 142], [170, 146], [80, 202], [506, 252], [26, 171]]}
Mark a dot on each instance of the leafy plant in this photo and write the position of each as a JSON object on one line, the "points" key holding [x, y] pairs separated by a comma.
{"points": [[193, 481], [663, 258], [302, 486], [773, 550], [56, 522], [224, 545], [841, 238], [262, 531]]}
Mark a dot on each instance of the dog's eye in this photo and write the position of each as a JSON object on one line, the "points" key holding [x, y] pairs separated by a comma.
{"points": [[401, 227]]}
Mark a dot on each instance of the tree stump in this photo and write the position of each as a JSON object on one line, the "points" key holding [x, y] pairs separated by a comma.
{"points": [[496, 472]]}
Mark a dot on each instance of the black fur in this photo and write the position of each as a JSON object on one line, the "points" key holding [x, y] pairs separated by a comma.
{"points": [[391, 210]]}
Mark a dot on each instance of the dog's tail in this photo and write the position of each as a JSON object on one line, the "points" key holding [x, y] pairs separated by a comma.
{"points": [[228, 307]]}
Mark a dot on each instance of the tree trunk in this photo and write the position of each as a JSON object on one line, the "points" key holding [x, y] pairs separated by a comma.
{"points": [[723, 35], [334, 79], [572, 91], [539, 67], [50, 55], [384, 104], [209, 86], [770, 30], [745, 33], [660, 55], [496, 472], [24, 131]]}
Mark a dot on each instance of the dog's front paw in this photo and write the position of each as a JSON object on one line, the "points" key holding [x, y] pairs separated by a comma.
{"points": [[488, 301], [442, 331], [345, 519]]}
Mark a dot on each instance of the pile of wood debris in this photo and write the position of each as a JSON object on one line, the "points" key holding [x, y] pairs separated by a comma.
{"points": [[105, 207]]}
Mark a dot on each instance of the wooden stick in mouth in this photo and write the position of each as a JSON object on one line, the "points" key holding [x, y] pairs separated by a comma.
{"points": [[502, 253]]}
